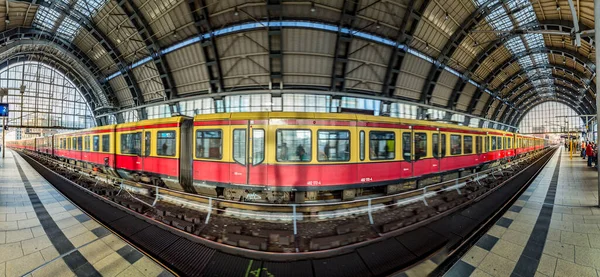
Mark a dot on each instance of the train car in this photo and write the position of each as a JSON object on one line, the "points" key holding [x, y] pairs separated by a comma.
{"points": [[286, 156], [320, 151], [155, 151], [44, 145], [23, 144], [68, 146], [98, 150]]}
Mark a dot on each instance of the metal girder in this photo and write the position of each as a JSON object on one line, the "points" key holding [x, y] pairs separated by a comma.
{"points": [[570, 92], [275, 34], [397, 58], [39, 36], [461, 83], [106, 43], [209, 48], [60, 66], [554, 77], [149, 38], [342, 45], [534, 67], [453, 43]]}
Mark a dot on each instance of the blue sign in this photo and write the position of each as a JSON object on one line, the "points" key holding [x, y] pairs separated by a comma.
{"points": [[3, 109]]}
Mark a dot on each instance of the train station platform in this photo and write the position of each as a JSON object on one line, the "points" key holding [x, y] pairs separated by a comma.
{"points": [[44, 234], [551, 230]]}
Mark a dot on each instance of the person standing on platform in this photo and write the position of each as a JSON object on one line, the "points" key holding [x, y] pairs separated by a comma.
{"points": [[589, 151], [583, 147]]}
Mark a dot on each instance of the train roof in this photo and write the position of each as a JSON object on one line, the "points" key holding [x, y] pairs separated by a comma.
{"points": [[337, 116]]}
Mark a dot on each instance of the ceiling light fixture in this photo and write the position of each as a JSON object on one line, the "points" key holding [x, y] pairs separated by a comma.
{"points": [[426, 45], [557, 7], [377, 25], [175, 33], [446, 17], [312, 7], [235, 12]]}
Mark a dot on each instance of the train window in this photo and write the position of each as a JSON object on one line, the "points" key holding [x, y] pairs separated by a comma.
{"points": [[435, 142], [87, 143], [468, 143], [499, 143], [74, 144], [406, 146], [333, 145], [455, 145], [493, 138], [299, 141], [478, 144], [239, 146], [79, 143], [420, 145], [148, 144], [258, 146], [209, 144], [165, 145], [131, 143], [96, 143], [105, 143], [443, 143], [508, 143], [382, 145], [361, 138]]}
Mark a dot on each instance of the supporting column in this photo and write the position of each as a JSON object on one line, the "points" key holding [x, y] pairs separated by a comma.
{"points": [[597, 37]]}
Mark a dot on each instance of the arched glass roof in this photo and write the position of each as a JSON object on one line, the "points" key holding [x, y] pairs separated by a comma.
{"points": [[50, 99], [551, 117]]}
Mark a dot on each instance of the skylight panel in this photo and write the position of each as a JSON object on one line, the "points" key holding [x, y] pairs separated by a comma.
{"points": [[89, 7], [45, 18], [525, 16], [534, 40], [539, 58], [525, 62], [68, 29], [499, 20], [512, 5], [515, 45]]}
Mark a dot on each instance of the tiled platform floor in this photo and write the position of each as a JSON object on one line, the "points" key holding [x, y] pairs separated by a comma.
{"points": [[41, 229], [544, 233]]}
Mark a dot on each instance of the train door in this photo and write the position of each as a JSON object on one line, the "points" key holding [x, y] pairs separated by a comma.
{"points": [[239, 167], [249, 152], [436, 151], [479, 156], [146, 146], [407, 157], [422, 163]]}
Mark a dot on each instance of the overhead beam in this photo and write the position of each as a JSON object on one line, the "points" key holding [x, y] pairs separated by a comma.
{"points": [[114, 53], [452, 45], [474, 66], [404, 37], [535, 67], [342, 45], [275, 35], [208, 44], [149, 38]]}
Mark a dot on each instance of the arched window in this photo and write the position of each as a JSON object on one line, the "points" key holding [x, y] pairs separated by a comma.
{"points": [[551, 116], [50, 99]]}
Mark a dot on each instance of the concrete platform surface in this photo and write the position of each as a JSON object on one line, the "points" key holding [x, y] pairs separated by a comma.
{"points": [[44, 234], [552, 230]]}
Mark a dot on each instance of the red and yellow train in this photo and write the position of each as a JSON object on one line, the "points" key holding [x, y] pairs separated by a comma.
{"points": [[283, 156]]}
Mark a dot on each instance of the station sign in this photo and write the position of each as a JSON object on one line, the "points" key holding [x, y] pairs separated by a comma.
{"points": [[3, 109]]}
